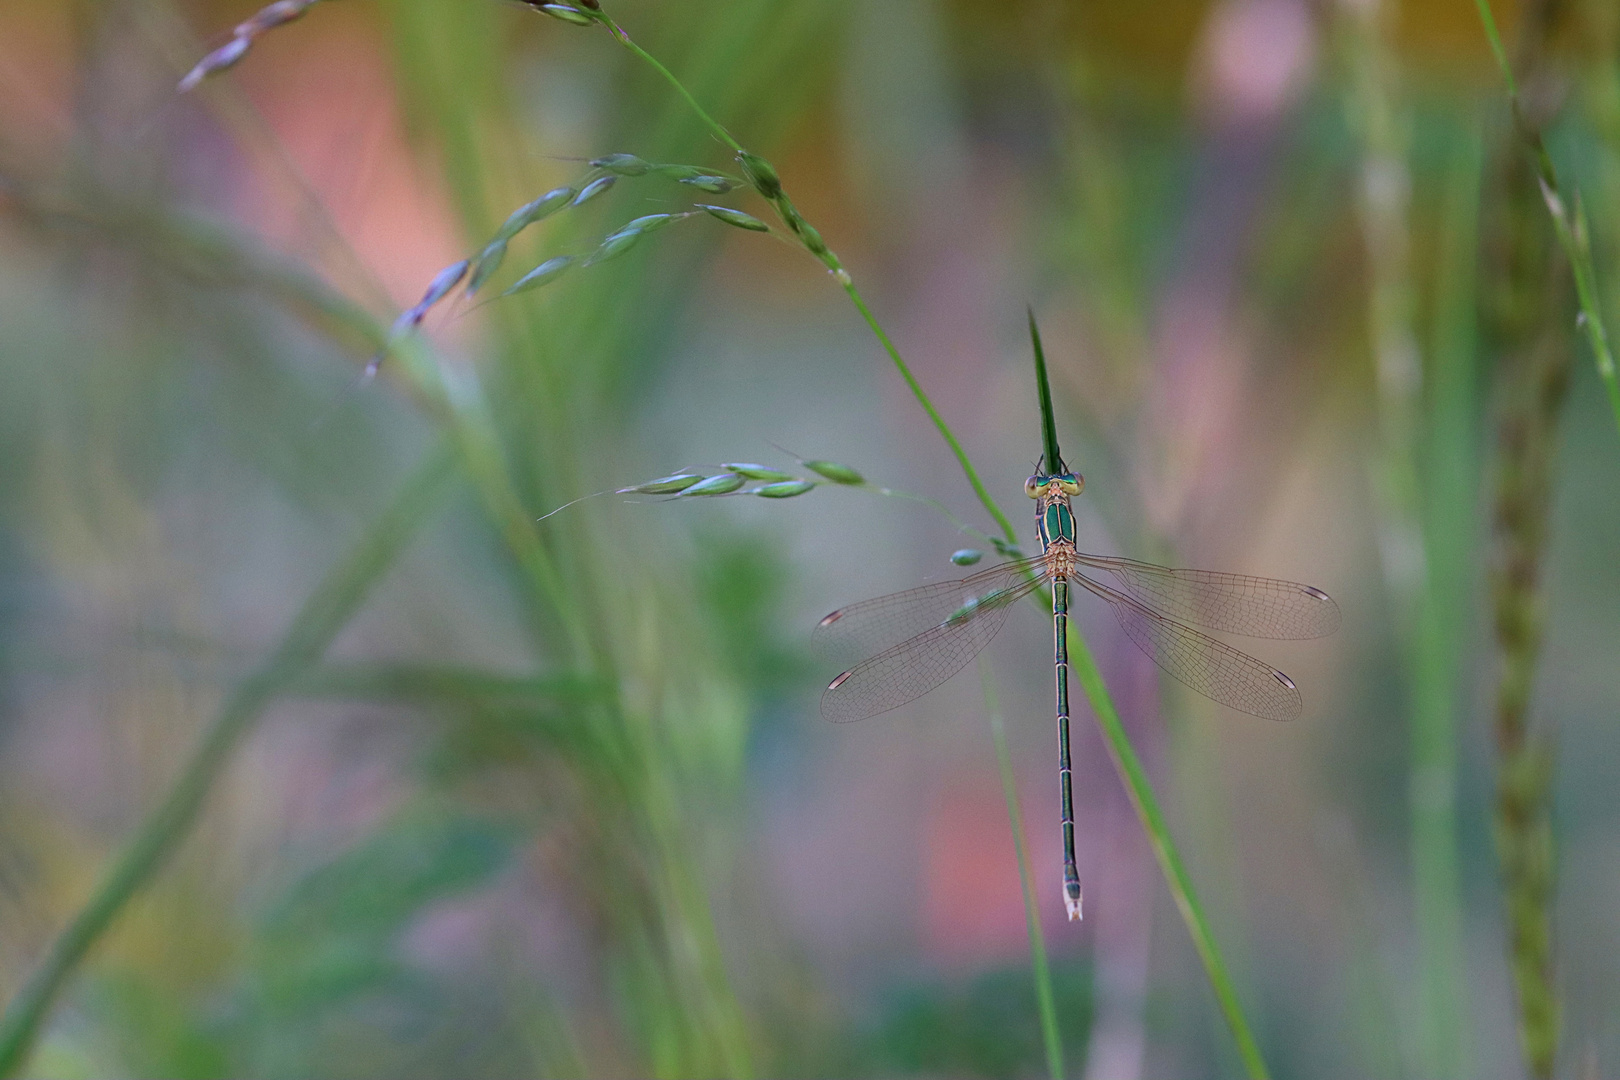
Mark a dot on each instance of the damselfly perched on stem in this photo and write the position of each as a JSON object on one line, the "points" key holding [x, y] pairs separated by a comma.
{"points": [[919, 638]]}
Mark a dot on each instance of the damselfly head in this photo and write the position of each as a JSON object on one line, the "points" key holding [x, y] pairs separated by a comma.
{"points": [[1040, 485]]}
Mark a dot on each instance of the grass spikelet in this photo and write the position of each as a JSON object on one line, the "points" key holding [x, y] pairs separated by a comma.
{"points": [[735, 217], [593, 189], [231, 53], [544, 274], [723, 484]]}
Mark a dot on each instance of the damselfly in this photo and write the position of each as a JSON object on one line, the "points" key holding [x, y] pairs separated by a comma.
{"points": [[919, 638]]}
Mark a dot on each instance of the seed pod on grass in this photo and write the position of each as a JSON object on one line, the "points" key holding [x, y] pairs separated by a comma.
{"points": [[277, 14], [735, 217], [567, 14], [484, 266], [531, 212], [221, 58], [724, 484], [614, 246], [832, 470], [760, 173], [593, 189], [784, 490], [442, 283], [544, 274], [714, 185], [622, 164], [664, 485], [648, 223], [966, 556], [755, 472]]}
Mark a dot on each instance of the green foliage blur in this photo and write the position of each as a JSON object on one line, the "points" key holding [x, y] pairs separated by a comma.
{"points": [[555, 799]]}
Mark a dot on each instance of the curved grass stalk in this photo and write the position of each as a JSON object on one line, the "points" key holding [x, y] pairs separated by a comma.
{"points": [[1120, 750], [327, 611]]}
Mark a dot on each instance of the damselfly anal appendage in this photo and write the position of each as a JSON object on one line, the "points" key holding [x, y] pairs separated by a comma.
{"points": [[915, 640]]}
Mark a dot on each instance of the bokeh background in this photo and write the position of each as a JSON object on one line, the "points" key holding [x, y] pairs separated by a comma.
{"points": [[557, 800]]}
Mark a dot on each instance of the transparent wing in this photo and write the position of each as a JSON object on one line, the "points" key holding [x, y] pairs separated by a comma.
{"points": [[865, 629], [1229, 603], [1210, 667], [909, 669]]}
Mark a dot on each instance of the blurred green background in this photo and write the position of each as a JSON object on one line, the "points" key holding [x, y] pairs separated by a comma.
{"points": [[557, 801]]}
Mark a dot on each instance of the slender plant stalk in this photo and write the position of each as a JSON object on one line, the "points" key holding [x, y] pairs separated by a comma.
{"points": [[1527, 301], [1569, 223], [1126, 763], [1032, 919], [1420, 522], [1449, 507], [327, 611]]}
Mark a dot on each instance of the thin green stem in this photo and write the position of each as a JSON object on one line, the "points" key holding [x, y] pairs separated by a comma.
{"points": [[1140, 791], [669, 77], [945, 432], [328, 609], [1032, 919]]}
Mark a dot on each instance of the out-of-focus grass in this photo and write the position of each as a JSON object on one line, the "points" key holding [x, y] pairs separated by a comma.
{"points": [[579, 711]]}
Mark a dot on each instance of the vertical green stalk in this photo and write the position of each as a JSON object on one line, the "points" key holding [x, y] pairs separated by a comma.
{"points": [[1424, 508], [1032, 920], [765, 180], [1528, 299], [1449, 482], [327, 611]]}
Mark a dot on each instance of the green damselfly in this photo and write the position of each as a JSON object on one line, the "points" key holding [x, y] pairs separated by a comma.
{"points": [[917, 639]]}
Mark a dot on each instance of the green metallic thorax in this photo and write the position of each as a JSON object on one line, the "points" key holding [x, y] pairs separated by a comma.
{"points": [[1055, 520]]}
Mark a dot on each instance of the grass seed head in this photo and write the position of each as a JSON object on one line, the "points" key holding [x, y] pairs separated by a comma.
{"points": [[714, 185], [227, 55], [484, 266], [567, 14], [442, 283], [966, 556], [544, 274], [614, 246], [723, 484], [837, 473], [761, 174], [755, 472], [622, 164], [664, 485], [735, 217], [593, 189], [785, 489], [531, 212], [278, 14]]}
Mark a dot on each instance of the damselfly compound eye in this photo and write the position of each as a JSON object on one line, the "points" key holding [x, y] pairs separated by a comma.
{"points": [[1034, 487]]}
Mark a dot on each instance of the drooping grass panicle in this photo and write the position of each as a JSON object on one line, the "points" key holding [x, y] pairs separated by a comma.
{"points": [[1568, 215], [231, 53]]}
